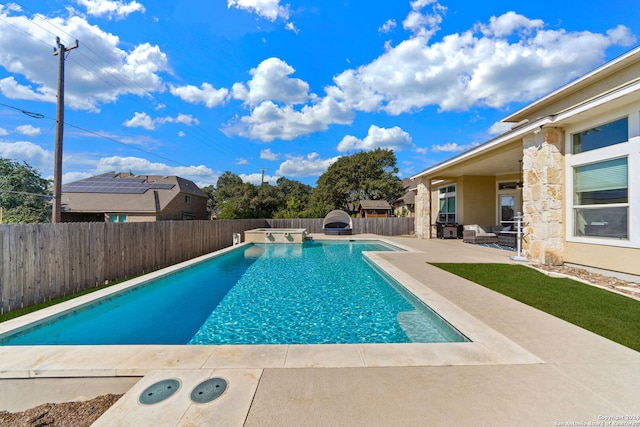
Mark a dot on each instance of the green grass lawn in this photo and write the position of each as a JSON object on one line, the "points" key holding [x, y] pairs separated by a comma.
{"points": [[607, 314], [22, 311]]}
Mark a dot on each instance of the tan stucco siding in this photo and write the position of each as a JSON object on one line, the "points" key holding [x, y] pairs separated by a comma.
{"points": [[477, 200], [606, 257]]}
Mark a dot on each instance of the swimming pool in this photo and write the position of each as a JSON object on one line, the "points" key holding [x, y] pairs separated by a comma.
{"points": [[318, 292]]}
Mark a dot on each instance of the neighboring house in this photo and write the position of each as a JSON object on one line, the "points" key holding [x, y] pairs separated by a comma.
{"points": [[124, 197], [373, 208], [570, 164], [405, 205]]}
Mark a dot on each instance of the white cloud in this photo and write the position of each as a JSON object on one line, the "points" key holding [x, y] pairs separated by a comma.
{"points": [[185, 119], [508, 23], [271, 82], [499, 128], [291, 27], [267, 154], [393, 138], [268, 9], [140, 120], [143, 120], [206, 94], [422, 150], [101, 74], [256, 178], [75, 176], [268, 121], [241, 161], [111, 8], [264, 94], [3, 132], [24, 151], [28, 130], [387, 26], [452, 147], [510, 59], [424, 24], [311, 165]]}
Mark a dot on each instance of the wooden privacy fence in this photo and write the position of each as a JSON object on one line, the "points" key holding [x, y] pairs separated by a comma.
{"points": [[381, 226], [40, 262]]}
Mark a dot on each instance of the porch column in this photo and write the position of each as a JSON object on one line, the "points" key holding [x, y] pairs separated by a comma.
{"points": [[542, 196], [423, 209]]}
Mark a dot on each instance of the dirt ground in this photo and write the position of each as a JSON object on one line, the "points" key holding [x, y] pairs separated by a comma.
{"points": [[69, 414]]}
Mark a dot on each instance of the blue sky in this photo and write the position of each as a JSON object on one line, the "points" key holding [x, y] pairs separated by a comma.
{"points": [[196, 88]]}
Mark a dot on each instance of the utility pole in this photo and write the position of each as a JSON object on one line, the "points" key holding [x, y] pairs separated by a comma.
{"points": [[60, 50], [263, 170]]}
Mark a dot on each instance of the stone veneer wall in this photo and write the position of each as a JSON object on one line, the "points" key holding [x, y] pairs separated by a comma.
{"points": [[423, 210], [543, 165]]}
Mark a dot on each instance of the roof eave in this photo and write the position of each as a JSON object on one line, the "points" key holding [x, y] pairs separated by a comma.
{"points": [[602, 71], [503, 139]]}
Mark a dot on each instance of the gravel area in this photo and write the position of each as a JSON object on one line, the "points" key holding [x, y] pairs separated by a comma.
{"points": [[631, 289], [69, 414]]}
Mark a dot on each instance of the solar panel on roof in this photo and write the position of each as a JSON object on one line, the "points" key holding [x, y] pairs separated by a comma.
{"points": [[113, 185]]}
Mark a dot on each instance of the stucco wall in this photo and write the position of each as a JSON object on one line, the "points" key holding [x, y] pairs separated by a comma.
{"points": [[477, 200], [606, 257]]}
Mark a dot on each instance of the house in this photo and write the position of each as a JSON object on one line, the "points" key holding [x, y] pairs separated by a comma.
{"points": [[124, 197], [405, 205], [570, 164], [373, 208]]}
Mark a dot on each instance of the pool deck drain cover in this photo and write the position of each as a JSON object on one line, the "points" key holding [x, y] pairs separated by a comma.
{"points": [[159, 391], [208, 390]]}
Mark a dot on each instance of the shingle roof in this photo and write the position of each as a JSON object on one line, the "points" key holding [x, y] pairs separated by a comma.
{"points": [[374, 204], [125, 192]]}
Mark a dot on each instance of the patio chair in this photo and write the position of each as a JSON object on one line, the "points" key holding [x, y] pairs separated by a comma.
{"points": [[474, 233], [337, 222]]}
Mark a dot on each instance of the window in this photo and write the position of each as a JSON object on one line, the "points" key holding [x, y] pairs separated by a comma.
{"points": [[601, 199], [187, 199], [117, 218], [601, 136], [447, 202]]}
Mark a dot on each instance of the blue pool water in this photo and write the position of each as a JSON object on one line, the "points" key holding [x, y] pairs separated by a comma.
{"points": [[318, 292]]}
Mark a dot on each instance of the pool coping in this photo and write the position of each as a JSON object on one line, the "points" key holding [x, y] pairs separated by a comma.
{"points": [[487, 346]]}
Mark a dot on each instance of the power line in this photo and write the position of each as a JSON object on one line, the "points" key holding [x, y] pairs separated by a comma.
{"points": [[99, 135], [113, 72], [23, 193]]}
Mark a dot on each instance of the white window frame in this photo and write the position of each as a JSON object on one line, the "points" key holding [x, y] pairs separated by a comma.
{"points": [[517, 192], [449, 194], [629, 149]]}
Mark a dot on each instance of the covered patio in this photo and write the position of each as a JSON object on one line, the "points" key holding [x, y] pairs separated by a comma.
{"points": [[478, 193]]}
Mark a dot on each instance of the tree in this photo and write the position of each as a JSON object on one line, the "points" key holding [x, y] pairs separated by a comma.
{"points": [[232, 198], [24, 194], [293, 196], [361, 176]]}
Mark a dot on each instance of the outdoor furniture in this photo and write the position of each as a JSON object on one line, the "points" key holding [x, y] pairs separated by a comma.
{"points": [[507, 238], [474, 233], [337, 222]]}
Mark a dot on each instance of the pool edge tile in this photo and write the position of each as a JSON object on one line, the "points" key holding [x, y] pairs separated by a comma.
{"points": [[247, 356], [324, 356]]}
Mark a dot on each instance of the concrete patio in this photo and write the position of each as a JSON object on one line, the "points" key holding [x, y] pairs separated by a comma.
{"points": [[524, 368]]}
